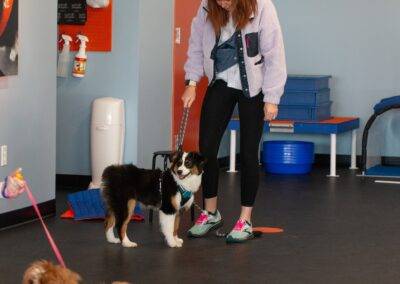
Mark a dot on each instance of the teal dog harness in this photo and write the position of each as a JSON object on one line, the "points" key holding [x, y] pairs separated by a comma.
{"points": [[186, 195]]}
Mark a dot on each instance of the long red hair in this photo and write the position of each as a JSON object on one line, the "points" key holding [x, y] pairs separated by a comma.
{"points": [[241, 13]]}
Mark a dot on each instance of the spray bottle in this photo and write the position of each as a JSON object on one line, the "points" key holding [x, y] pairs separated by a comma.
{"points": [[63, 59], [80, 58]]}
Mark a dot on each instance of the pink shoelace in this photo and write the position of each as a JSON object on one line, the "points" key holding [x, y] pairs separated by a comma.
{"points": [[202, 218], [239, 225]]}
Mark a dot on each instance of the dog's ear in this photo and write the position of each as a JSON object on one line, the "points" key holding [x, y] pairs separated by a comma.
{"points": [[201, 160], [173, 156], [34, 273]]}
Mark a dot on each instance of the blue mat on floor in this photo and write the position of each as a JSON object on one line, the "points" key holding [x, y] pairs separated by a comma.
{"points": [[384, 171], [88, 204]]}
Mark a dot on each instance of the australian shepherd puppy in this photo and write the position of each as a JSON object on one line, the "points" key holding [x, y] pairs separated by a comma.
{"points": [[124, 186]]}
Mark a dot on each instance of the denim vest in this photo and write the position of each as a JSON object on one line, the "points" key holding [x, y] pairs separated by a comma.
{"points": [[227, 55]]}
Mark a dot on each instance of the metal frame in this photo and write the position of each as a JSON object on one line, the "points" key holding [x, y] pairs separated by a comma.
{"points": [[370, 122], [305, 128]]}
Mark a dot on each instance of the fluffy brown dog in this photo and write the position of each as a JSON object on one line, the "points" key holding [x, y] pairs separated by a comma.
{"points": [[44, 272]]}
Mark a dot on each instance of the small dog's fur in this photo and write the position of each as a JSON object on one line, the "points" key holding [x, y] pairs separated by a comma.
{"points": [[125, 185], [44, 272]]}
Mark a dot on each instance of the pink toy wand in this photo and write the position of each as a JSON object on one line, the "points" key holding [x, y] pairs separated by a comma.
{"points": [[14, 186]]}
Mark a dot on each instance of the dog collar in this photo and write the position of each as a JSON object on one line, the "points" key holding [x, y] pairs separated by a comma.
{"points": [[186, 195]]}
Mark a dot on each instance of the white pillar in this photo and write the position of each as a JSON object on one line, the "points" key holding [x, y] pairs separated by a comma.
{"points": [[232, 155], [333, 156], [353, 165]]}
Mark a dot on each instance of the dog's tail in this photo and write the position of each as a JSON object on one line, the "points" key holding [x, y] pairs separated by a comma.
{"points": [[45, 272], [112, 180], [108, 185]]}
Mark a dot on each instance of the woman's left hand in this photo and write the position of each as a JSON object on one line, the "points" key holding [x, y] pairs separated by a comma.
{"points": [[270, 111]]}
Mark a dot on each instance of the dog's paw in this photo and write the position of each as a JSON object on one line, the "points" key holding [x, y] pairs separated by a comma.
{"points": [[111, 237], [178, 241], [172, 243], [114, 241], [129, 244]]}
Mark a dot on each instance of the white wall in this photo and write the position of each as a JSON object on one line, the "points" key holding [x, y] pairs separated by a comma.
{"points": [[155, 78], [138, 70], [112, 74], [28, 103], [358, 43]]}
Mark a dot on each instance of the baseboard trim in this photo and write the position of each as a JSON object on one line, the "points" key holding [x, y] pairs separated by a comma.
{"points": [[324, 160], [345, 160], [391, 161], [321, 160], [77, 181], [27, 214]]}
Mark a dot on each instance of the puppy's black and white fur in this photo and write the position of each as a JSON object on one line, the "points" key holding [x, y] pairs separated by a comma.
{"points": [[125, 185]]}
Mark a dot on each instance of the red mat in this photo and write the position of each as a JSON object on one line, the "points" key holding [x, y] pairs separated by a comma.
{"points": [[268, 230], [69, 214], [333, 120]]}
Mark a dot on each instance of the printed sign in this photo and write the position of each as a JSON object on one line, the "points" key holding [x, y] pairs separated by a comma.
{"points": [[72, 12]]}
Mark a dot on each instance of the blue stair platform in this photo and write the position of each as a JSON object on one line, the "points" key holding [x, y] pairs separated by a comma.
{"points": [[88, 204]]}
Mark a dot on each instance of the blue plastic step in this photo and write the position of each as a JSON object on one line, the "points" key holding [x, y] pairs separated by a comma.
{"points": [[307, 82], [306, 98], [305, 113], [89, 204]]}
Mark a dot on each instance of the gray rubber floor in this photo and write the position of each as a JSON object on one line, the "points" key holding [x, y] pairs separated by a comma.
{"points": [[344, 230]]}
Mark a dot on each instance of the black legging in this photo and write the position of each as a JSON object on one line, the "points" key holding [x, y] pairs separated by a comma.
{"points": [[217, 109]]}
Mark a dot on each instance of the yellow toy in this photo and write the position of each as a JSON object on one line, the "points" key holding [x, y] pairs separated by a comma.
{"points": [[13, 186]]}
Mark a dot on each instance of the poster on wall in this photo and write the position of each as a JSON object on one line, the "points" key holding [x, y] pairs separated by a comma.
{"points": [[8, 37], [72, 12]]}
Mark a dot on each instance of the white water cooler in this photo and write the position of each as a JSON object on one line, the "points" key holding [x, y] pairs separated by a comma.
{"points": [[107, 136]]}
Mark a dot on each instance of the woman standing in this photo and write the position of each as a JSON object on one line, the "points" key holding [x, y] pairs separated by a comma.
{"points": [[238, 45]]}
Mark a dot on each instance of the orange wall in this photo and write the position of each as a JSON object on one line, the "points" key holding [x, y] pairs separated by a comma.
{"points": [[185, 10]]}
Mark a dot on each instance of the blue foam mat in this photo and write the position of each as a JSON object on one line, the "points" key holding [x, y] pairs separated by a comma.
{"points": [[88, 204], [383, 171], [387, 102]]}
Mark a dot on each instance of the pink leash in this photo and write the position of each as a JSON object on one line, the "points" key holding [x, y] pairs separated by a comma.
{"points": [[49, 237]]}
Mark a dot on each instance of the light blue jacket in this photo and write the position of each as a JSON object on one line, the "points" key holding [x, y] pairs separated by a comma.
{"points": [[263, 54]]}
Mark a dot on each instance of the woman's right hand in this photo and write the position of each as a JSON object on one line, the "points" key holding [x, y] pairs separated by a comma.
{"points": [[189, 96]]}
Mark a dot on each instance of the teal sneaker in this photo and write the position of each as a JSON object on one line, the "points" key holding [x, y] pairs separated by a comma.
{"points": [[205, 223], [242, 232]]}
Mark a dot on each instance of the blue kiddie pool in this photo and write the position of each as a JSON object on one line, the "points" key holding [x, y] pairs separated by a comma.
{"points": [[288, 157]]}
